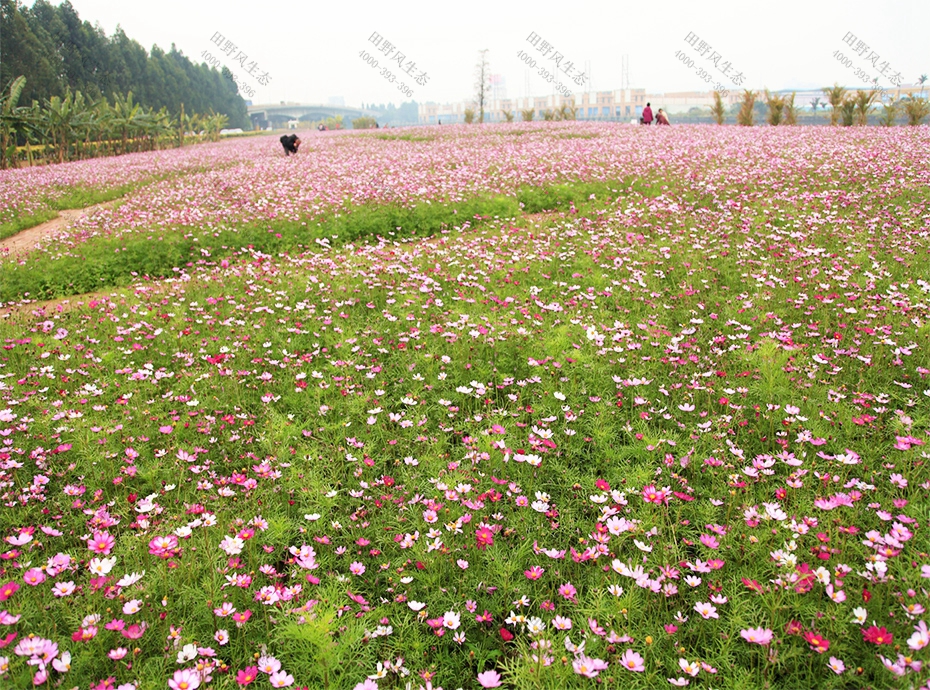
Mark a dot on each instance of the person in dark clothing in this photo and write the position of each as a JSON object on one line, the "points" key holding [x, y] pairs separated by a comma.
{"points": [[290, 143]]}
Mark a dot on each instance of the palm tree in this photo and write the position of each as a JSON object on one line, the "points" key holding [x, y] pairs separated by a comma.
{"points": [[848, 110], [922, 81], [527, 114], [791, 110], [864, 104], [889, 114], [745, 115], [718, 109], [776, 105], [916, 109], [814, 104], [568, 111], [835, 97]]}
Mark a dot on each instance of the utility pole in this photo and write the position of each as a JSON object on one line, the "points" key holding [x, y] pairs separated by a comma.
{"points": [[482, 85]]}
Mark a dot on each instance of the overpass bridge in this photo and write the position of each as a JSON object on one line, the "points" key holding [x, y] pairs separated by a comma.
{"points": [[277, 115]]}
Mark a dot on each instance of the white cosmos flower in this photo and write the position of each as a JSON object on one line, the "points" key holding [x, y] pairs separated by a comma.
{"points": [[131, 579], [101, 566], [188, 652]]}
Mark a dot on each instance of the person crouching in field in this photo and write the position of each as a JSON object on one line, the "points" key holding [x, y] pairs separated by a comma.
{"points": [[290, 143], [661, 118]]}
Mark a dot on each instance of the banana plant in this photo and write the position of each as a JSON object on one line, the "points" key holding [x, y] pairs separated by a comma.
{"points": [[125, 118], [11, 120], [213, 123], [63, 119]]}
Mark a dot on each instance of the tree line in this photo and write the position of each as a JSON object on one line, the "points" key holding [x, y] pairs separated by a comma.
{"points": [[851, 107], [61, 56]]}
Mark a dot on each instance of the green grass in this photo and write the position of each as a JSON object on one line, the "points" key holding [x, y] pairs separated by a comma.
{"points": [[102, 263]]}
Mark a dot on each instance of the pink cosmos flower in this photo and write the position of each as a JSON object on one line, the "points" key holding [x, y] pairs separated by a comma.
{"points": [[281, 679], [534, 573], [84, 634], [269, 665], [762, 636], [919, 639], [184, 679], [101, 543], [632, 661], [7, 618], [657, 496], [706, 609], [588, 667], [33, 577], [489, 679], [224, 609], [134, 631]]}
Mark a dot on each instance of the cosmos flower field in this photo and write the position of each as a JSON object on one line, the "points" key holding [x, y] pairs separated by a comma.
{"points": [[539, 405]]}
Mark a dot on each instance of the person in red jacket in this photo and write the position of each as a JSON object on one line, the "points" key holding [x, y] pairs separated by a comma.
{"points": [[646, 119], [662, 118]]}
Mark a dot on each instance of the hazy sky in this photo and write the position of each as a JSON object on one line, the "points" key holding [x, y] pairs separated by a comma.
{"points": [[311, 51]]}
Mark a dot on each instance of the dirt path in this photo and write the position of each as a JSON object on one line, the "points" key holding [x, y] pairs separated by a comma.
{"points": [[29, 238]]}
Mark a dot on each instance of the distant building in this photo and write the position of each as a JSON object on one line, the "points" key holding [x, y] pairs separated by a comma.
{"points": [[337, 101], [683, 101], [498, 87], [621, 104]]}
